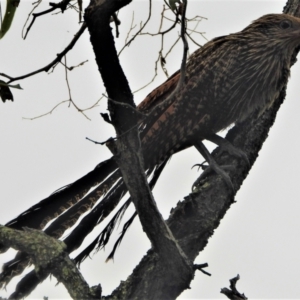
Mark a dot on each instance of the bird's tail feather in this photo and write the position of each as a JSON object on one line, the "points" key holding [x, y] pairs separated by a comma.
{"points": [[86, 225], [17, 265], [41, 213], [103, 238]]}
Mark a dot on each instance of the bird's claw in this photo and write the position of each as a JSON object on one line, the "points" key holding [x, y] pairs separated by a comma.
{"points": [[202, 166], [237, 153], [225, 145], [217, 169]]}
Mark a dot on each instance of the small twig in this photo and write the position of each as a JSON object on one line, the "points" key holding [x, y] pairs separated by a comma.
{"points": [[153, 78], [66, 77], [73, 67], [61, 5], [140, 30], [55, 61], [117, 23], [183, 62], [171, 48], [6, 76], [30, 13], [48, 113], [128, 33], [69, 90], [189, 36], [233, 293], [185, 45], [162, 32], [201, 267], [97, 143]]}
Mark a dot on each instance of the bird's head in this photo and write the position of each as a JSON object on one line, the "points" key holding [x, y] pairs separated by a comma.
{"points": [[277, 28]]}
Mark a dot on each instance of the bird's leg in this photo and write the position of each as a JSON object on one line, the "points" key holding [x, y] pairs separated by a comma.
{"points": [[213, 166], [227, 146]]}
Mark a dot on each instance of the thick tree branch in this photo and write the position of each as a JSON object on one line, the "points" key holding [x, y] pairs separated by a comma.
{"points": [[127, 150], [49, 256]]}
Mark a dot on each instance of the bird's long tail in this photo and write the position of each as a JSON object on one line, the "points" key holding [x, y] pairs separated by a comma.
{"points": [[58, 205], [85, 226]]}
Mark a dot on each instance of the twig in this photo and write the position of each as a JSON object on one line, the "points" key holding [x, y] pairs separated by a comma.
{"points": [[117, 23], [55, 61], [48, 113], [140, 30], [185, 45], [73, 67], [61, 5], [97, 143], [129, 31], [201, 267], [233, 293], [183, 62], [189, 36]]}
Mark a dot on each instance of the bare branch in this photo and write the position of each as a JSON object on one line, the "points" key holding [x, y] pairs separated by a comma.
{"points": [[233, 293], [70, 100], [127, 43], [61, 5], [73, 67], [48, 113], [54, 62]]}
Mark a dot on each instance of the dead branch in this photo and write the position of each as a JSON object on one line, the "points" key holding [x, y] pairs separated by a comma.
{"points": [[54, 62], [127, 43], [233, 293], [61, 5]]}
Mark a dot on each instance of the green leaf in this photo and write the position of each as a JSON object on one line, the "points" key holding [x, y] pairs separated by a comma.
{"points": [[11, 6]]}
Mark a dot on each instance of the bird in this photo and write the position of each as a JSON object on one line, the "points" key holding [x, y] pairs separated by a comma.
{"points": [[231, 79]]}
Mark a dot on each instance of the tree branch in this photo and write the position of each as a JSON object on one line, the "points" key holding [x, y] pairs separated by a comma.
{"points": [[127, 150], [54, 62], [61, 5], [233, 293], [49, 256]]}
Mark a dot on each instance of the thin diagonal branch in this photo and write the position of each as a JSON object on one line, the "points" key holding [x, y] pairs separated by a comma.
{"points": [[54, 62], [61, 5]]}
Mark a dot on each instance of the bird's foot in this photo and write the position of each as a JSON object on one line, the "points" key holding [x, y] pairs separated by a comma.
{"points": [[227, 146], [235, 152], [214, 167]]}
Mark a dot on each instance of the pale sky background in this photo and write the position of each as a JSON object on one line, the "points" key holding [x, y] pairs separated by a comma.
{"points": [[259, 236]]}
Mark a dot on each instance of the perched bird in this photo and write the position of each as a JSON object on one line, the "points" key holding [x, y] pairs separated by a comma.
{"points": [[227, 80]]}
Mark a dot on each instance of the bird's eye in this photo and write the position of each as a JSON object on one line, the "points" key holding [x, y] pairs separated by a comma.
{"points": [[285, 24]]}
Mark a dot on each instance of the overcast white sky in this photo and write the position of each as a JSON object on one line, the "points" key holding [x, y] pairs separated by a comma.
{"points": [[259, 236]]}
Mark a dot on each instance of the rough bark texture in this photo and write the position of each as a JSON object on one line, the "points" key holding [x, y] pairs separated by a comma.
{"points": [[48, 255], [127, 152]]}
